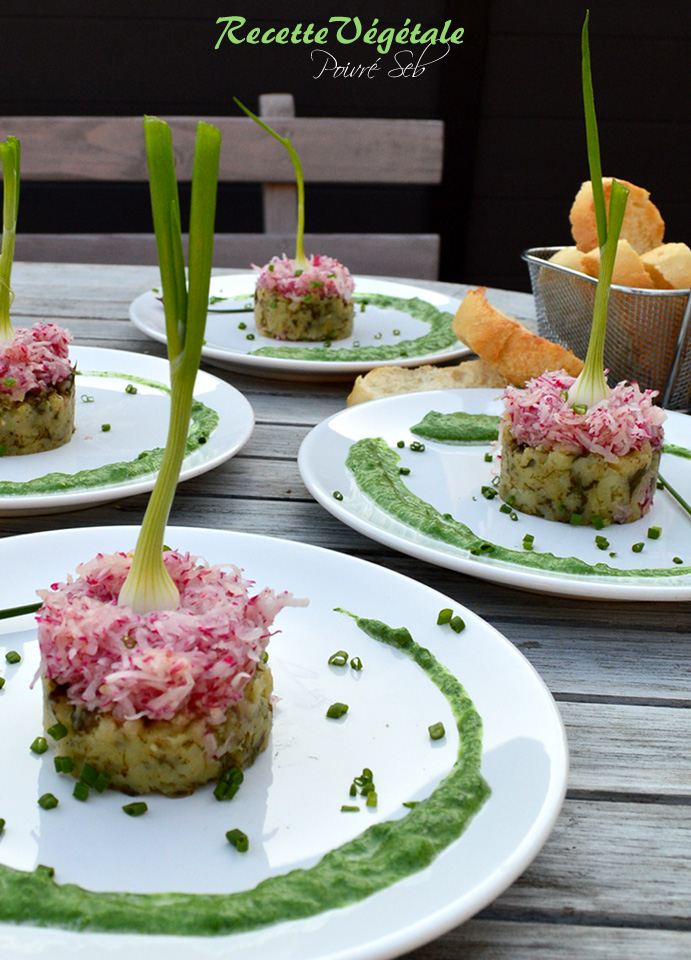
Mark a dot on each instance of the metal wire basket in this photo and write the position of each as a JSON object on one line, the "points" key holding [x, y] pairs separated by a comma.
{"points": [[648, 331]]}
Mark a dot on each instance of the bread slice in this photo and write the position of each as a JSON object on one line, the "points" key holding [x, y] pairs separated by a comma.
{"points": [[388, 381], [629, 269], [669, 266], [643, 226], [514, 351], [570, 257]]}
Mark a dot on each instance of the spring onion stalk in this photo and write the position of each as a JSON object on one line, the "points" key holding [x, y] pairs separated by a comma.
{"points": [[666, 485], [592, 137], [148, 585], [300, 258], [10, 157], [591, 386]]}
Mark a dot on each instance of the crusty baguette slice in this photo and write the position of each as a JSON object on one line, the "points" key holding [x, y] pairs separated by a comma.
{"points": [[669, 266], [643, 225], [388, 381], [514, 351], [629, 269]]}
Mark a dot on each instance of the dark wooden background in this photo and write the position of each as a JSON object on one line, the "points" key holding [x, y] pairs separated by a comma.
{"points": [[510, 97]]}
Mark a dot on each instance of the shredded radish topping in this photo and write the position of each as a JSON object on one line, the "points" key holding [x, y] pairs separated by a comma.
{"points": [[198, 658], [542, 416], [324, 277], [35, 358]]}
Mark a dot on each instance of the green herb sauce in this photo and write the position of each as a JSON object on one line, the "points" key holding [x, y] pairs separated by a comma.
{"points": [[458, 427], [203, 422], [439, 337], [385, 853], [374, 466]]}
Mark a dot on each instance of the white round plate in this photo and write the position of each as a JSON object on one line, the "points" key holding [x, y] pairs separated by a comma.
{"points": [[290, 802], [137, 422], [450, 477], [226, 344]]}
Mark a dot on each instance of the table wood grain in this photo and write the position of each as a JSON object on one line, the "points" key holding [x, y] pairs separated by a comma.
{"points": [[614, 879]]}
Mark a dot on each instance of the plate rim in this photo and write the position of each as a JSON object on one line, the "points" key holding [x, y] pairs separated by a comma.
{"points": [[668, 589], [264, 366], [49, 502], [422, 930]]}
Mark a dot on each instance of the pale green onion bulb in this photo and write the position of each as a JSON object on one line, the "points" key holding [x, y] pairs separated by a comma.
{"points": [[591, 386]]}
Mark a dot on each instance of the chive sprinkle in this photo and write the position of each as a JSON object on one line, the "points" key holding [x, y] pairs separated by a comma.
{"points": [[457, 624], [337, 495], [356, 663], [337, 710], [349, 808], [105, 427], [12, 656], [135, 809], [40, 745], [2, 682], [81, 791], [371, 798], [238, 839], [445, 615], [417, 447], [637, 547], [488, 457], [404, 471], [102, 781], [57, 731], [436, 731], [488, 493], [2, 824], [338, 659], [48, 801], [63, 764], [654, 533], [88, 774], [677, 560], [130, 388]]}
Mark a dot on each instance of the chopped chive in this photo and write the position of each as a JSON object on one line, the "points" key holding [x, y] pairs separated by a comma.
{"points": [[513, 515], [48, 801], [411, 804], [404, 471], [654, 533], [598, 522], [528, 541], [377, 336], [602, 543], [135, 809], [327, 343], [677, 560], [436, 731], [371, 798], [12, 656], [488, 493], [580, 408], [88, 774], [40, 745], [105, 427], [338, 659], [250, 336], [445, 615], [511, 499], [576, 519], [353, 790], [356, 663], [85, 398], [2, 682], [337, 710], [229, 783], [238, 839], [2, 824], [400, 444], [81, 790], [102, 781], [457, 624], [130, 388], [337, 495], [396, 333], [505, 508], [488, 457], [242, 325], [349, 808], [63, 764], [57, 731], [417, 447], [637, 547]]}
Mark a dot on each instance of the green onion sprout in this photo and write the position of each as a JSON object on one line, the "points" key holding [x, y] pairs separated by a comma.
{"points": [[10, 158], [591, 386], [300, 258], [148, 585]]}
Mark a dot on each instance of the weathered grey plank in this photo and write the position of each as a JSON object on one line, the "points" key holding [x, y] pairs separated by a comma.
{"points": [[629, 862], [509, 940]]}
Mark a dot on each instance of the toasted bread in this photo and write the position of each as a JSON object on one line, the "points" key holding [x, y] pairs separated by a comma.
{"points": [[514, 351], [669, 266], [388, 381], [643, 226], [629, 269]]}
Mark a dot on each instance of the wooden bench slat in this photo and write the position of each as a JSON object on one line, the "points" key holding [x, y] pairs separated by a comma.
{"points": [[332, 150]]}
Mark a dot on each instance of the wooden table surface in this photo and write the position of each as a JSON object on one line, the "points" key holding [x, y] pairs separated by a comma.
{"points": [[614, 878]]}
